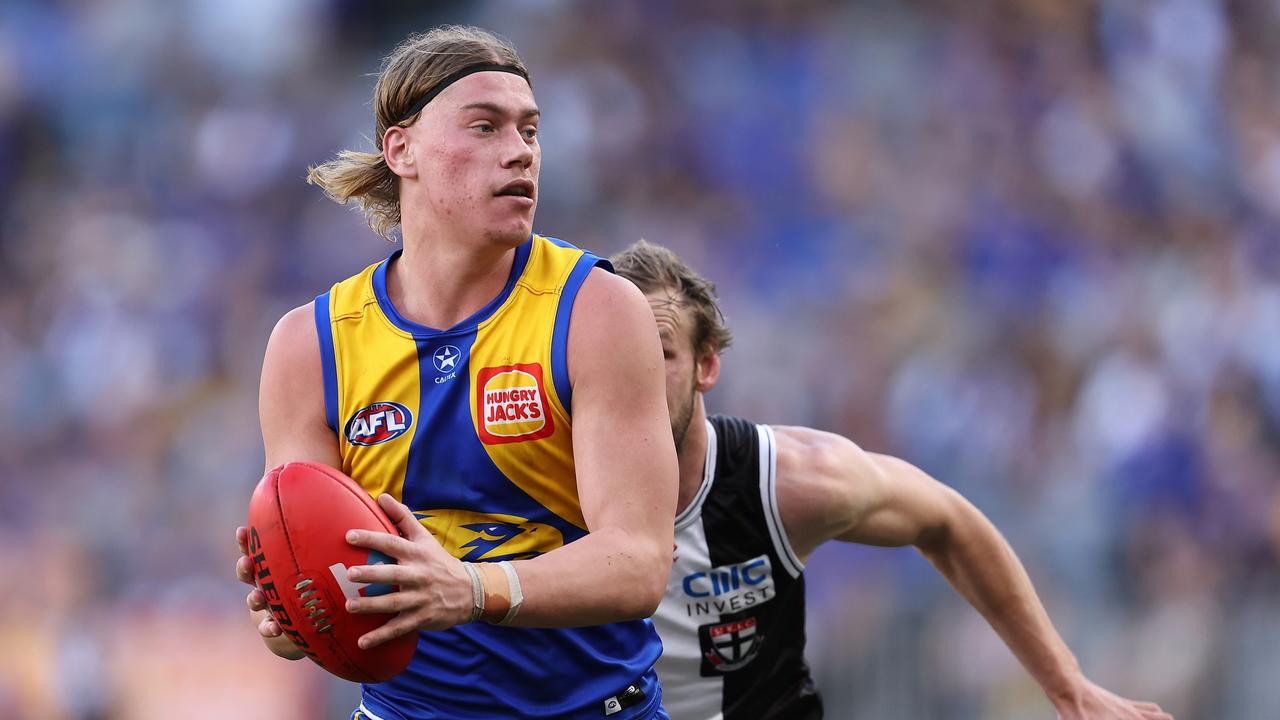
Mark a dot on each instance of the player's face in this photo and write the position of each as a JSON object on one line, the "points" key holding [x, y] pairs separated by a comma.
{"points": [[675, 329], [476, 148]]}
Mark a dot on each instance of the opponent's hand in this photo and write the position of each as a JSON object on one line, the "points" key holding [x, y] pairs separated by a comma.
{"points": [[268, 628], [1096, 703], [434, 590]]}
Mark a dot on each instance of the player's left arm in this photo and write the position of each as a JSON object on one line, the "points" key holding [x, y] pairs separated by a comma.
{"points": [[830, 489], [625, 460]]}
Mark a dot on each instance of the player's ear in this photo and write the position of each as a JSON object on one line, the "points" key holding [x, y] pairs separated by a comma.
{"points": [[397, 152], [706, 370]]}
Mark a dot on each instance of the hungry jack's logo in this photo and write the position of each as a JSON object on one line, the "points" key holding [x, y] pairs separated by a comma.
{"points": [[511, 404]]}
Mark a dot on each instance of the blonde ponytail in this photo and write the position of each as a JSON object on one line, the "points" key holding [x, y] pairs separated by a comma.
{"points": [[365, 178]]}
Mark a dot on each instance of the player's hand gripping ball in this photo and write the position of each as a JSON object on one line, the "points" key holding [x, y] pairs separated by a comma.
{"points": [[298, 520]]}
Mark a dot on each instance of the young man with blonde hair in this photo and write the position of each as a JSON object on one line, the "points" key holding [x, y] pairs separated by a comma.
{"points": [[756, 500], [531, 458]]}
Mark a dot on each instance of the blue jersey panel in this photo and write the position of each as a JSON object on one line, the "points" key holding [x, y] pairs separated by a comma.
{"points": [[561, 680]]}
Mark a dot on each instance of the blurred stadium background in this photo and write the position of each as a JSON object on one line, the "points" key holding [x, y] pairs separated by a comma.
{"points": [[1030, 245]]}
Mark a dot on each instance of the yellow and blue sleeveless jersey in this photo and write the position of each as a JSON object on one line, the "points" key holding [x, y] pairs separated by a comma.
{"points": [[470, 427]]}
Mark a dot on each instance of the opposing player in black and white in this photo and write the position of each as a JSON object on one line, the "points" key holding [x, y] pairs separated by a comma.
{"points": [[756, 500]]}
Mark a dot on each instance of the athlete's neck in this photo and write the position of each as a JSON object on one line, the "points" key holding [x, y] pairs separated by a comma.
{"points": [[439, 283], [692, 455]]}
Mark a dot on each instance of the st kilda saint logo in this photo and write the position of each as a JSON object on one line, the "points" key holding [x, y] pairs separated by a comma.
{"points": [[729, 645]]}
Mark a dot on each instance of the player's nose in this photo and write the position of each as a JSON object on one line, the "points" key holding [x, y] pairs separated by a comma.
{"points": [[518, 151]]}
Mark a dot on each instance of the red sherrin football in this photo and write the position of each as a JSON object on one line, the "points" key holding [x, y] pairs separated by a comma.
{"points": [[298, 520]]}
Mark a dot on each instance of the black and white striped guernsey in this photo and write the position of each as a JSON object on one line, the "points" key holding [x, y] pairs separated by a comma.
{"points": [[732, 620]]}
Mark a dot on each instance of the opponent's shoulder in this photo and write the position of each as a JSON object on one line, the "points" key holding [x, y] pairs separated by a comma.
{"points": [[806, 454], [824, 482], [734, 431], [738, 456]]}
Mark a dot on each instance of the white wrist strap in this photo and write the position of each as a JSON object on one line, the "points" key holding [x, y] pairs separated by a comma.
{"points": [[517, 597], [477, 593]]}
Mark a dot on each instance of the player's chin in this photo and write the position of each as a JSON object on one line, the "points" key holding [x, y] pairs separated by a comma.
{"points": [[512, 232]]}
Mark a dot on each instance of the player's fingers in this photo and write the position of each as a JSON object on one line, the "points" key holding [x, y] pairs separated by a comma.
{"points": [[386, 543], [244, 570], [390, 603], [242, 539], [256, 600], [392, 629], [403, 518], [384, 574], [269, 628]]}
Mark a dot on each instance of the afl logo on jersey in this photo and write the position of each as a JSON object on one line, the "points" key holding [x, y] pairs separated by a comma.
{"points": [[378, 423], [511, 404]]}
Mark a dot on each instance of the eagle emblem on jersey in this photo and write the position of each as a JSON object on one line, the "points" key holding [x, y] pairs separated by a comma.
{"points": [[511, 404], [473, 537], [727, 646]]}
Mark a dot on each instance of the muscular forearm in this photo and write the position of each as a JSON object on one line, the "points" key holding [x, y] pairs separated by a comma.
{"points": [[983, 568], [607, 576]]}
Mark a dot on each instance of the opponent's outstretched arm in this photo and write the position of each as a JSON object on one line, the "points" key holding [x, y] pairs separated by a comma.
{"points": [[830, 489]]}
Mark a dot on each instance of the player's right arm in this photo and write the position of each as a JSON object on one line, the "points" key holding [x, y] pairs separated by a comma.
{"points": [[291, 412]]}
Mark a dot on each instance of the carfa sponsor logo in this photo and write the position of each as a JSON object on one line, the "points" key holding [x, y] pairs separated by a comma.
{"points": [[378, 423], [511, 404]]}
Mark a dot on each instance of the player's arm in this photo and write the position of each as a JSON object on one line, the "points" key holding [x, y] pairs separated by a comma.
{"points": [[291, 411], [829, 488], [626, 468]]}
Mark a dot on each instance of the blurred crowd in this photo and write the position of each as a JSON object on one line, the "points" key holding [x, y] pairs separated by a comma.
{"points": [[1031, 246]]}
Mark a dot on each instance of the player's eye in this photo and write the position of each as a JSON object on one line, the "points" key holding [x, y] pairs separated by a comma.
{"points": [[483, 127], [530, 132]]}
